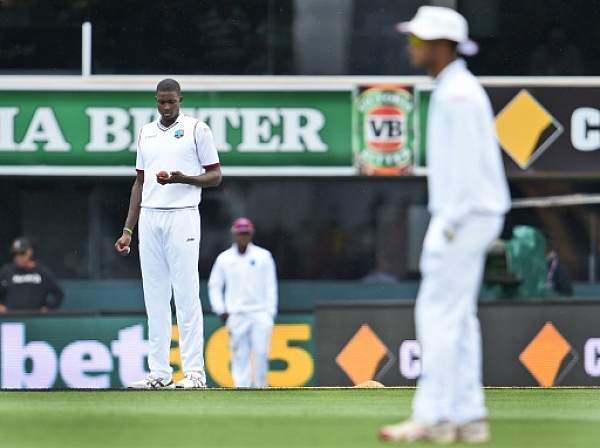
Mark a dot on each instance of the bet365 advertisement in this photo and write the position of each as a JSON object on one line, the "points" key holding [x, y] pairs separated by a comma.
{"points": [[111, 351]]}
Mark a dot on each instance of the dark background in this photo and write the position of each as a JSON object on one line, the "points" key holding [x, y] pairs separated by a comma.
{"points": [[300, 37], [317, 228]]}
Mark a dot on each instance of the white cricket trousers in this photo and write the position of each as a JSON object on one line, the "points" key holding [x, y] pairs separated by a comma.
{"points": [[249, 343], [450, 386], [169, 250]]}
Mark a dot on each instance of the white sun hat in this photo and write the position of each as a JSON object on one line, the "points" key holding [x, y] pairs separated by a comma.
{"points": [[437, 22]]}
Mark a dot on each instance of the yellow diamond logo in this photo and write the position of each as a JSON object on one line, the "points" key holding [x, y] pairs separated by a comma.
{"points": [[362, 355], [545, 354], [526, 129]]}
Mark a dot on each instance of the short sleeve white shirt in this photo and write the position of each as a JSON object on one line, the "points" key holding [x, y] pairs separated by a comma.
{"points": [[187, 146], [244, 283]]}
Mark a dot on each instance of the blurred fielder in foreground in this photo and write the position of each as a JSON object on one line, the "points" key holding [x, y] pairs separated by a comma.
{"points": [[468, 197], [243, 291]]}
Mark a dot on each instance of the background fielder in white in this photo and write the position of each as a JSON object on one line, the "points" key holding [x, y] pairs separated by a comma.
{"points": [[166, 201], [243, 291]]}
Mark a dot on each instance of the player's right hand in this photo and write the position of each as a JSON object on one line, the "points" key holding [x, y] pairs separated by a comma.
{"points": [[123, 243]]}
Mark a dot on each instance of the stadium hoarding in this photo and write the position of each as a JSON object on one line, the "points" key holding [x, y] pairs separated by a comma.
{"points": [[110, 351], [291, 126], [525, 343], [544, 129], [94, 131]]}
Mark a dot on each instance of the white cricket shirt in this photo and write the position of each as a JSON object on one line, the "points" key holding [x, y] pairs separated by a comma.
{"points": [[241, 283], [187, 146], [465, 168]]}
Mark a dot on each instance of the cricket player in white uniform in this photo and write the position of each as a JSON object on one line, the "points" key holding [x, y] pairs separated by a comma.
{"points": [[243, 291], [468, 197], [176, 158]]}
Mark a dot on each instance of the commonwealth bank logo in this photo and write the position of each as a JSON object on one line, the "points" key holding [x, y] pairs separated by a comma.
{"points": [[547, 352], [526, 129], [365, 357]]}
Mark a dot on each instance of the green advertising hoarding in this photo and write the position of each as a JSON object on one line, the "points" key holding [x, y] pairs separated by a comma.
{"points": [[422, 95], [66, 126], [251, 128], [48, 352]]}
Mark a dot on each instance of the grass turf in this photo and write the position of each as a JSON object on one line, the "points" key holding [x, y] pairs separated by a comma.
{"points": [[348, 418]]}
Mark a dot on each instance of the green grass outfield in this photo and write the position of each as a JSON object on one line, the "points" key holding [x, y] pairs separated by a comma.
{"points": [[528, 418]]}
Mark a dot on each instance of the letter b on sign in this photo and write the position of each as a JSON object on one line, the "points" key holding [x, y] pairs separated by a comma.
{"points": [[15, 353]]}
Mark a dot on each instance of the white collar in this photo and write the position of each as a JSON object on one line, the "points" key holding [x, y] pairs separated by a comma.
{"points": [[237, 252], [164, 128], [457, 64]]}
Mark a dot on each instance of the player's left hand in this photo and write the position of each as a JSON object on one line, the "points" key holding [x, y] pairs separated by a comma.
{"points": [[162, 177], [176, 177]]}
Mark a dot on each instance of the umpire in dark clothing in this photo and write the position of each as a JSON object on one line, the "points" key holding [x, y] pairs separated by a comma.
{"points": [[25, 284]]}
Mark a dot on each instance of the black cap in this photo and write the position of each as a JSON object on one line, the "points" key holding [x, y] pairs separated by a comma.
{"points": [[20, 245]]}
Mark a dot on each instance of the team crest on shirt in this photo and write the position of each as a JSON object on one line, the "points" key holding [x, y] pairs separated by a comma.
{"points": [[178, 133]]}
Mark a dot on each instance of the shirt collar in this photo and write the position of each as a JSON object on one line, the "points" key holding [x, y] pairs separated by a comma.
{"points": [[456, 65], [164, 128], [237, 252]]}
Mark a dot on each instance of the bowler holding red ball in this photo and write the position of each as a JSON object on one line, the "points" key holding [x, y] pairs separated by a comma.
{"points": [[176, 158]]}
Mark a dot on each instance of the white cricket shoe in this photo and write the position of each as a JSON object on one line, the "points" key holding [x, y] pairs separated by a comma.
{"points": [[152, 382], [410, 431], [192, 380], [477, 431]]}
